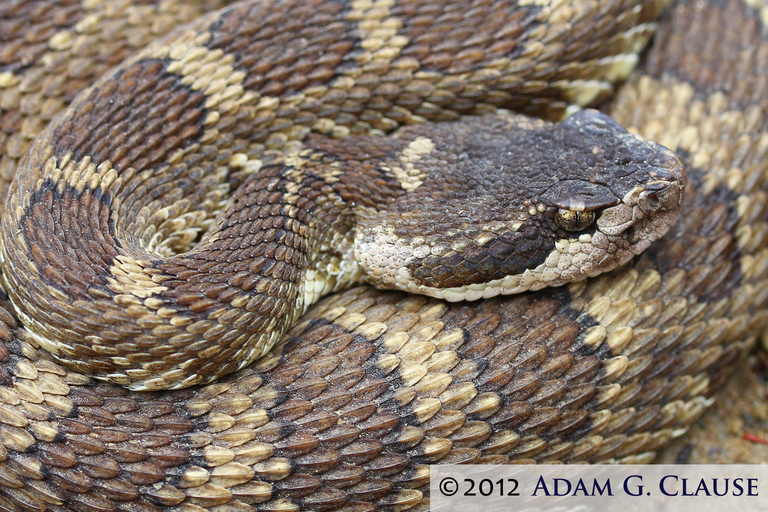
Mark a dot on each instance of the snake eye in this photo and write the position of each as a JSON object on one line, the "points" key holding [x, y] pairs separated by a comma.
{"points": [[570, 220]]}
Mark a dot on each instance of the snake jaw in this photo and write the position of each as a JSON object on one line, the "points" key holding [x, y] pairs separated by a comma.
{"points": [[641, 202], [615, 220], [649, 209]]}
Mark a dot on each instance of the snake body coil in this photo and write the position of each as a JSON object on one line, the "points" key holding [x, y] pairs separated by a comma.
{"points": [[371, 386], [115, 190]]}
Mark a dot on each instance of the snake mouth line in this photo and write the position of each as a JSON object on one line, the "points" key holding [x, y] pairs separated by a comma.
{"points": [[622, 232]]}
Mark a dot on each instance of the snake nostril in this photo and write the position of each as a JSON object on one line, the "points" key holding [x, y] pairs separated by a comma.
{"points": [[632, 235], [653, 200]]}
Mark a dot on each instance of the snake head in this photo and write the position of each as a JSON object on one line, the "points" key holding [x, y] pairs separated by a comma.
{"points": [[635, 192], [510, 204]]}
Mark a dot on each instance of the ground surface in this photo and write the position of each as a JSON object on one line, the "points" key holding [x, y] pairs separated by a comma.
{"points": [[721, 436]]}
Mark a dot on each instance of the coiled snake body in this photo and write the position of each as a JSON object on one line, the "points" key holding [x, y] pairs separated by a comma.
{"points": [[372, 386]]}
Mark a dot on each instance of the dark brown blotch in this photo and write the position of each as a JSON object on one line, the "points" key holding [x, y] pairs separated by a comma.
{"points": [[284, 50], [70, 236], [134, 118]]}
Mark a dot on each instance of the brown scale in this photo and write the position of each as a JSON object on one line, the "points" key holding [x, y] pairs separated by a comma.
{"points": [[270, 438]]}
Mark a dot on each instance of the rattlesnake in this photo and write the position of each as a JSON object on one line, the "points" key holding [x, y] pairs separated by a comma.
{"points": [[372, 386]]}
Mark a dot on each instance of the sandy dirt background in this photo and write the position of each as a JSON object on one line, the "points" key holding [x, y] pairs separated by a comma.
{"points": [[723, 433]]}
